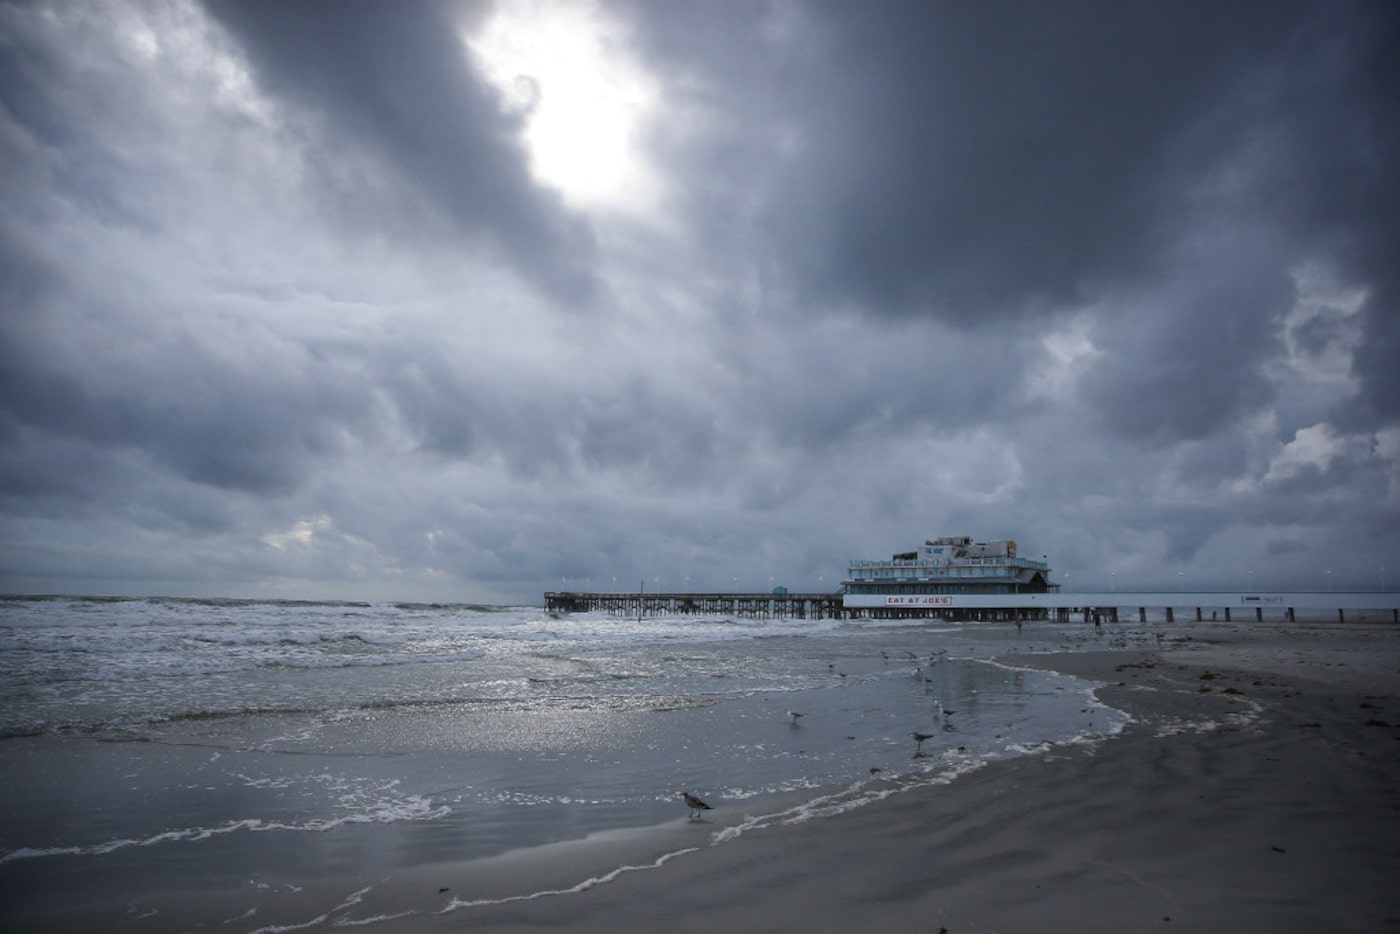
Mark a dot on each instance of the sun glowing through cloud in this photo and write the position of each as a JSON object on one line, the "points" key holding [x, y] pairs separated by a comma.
{"points": [[566, 67]]}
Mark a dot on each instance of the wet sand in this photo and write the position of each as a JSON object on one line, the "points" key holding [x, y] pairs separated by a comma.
{"points": [[1258, 789]]}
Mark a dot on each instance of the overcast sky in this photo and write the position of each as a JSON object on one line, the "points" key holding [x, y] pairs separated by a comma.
{"points": [[462, 302]]}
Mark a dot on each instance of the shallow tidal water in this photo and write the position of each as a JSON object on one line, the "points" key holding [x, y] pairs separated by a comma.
{"points": [[184, 745]]}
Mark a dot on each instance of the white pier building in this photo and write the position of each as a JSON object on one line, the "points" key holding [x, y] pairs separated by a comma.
{"points": [[941, 569]]}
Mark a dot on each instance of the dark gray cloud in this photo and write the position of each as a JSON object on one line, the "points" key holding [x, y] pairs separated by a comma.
{"points": [[96, 369], [970, 159], [992, 162], [395, 80], [1192, 362]]}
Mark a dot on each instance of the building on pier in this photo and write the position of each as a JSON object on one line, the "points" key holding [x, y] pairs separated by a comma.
{"points": [[952, 565], [942, 573]]}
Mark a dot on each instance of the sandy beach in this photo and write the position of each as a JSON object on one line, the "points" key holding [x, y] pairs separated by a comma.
{"points": [[1257, 789]]}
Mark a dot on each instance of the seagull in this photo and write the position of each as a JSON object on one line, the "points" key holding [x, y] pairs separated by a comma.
{"points": [[919, 738], [695, 804], [794, 716]]}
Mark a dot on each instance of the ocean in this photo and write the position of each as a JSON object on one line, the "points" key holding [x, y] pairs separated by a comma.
{"points": [[151, 746]]}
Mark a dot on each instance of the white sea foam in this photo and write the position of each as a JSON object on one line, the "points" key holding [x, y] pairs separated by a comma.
{"points": [[857, 795], [408, 808], [584, 886]]}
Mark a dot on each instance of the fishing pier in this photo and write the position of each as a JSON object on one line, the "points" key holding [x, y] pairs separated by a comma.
{"points": [[954, 578], [1165, 606]]}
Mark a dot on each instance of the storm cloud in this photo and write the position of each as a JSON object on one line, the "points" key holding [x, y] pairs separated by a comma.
{"points": [[463, 301]]}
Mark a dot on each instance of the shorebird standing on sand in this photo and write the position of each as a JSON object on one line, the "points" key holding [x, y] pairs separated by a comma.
{"points": [[919, 738], [794, 716], [695, 804]]}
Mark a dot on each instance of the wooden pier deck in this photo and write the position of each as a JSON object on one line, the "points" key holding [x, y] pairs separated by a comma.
{"points": [[751, 605]]}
